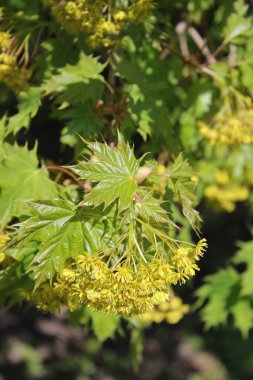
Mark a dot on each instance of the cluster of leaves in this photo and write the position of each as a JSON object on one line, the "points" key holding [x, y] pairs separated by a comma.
{"points": [[65, 230]]}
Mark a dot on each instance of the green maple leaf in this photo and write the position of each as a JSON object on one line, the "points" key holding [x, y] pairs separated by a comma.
{"points": [[47, 218], [244, 256], [29, 104], [104, 325], [21, 179], [81, 120], [11, 279], [14, 276], [218, 289], [243, 316], [150, 209], [86, 70], [114, 172], [63, 231], [181, 184]]}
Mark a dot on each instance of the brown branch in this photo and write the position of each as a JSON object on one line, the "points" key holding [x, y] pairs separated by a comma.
{"points": [[219, 49], [211, 73], [66, 171], [180, 30], [109, 87], [201, 43]]}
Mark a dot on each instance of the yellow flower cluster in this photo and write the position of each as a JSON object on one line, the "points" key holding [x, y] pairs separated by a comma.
{"points": [[184, 262], [12, 73], [231, 127], [45, 298], [5, 41], [225, 193], [122, 290], [99, 18], [171, 311]]}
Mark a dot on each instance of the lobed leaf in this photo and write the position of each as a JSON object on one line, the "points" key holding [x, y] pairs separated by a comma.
{"points": [[85, 70], [21, 178], [114, 169], [29, 104], [63, 232]]}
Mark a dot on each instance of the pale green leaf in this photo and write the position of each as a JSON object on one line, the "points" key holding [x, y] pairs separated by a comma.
{"points": [[243, 316], [237, 30], [246, 281], [21, 179], [245, 256], [29, 104], [48, 217], [150, 209], [238, 23], [87, 69], [104, 325], [217, 290]]}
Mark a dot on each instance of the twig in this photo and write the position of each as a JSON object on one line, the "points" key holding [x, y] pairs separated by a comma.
{"points": [[232, 55], [110, 88], [201, 43], [219, 49], [180, 30], [211, 73], [66, 171]]}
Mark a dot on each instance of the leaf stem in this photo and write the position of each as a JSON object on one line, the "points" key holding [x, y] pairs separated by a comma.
{"points": [[66, 171], [139, 249]]}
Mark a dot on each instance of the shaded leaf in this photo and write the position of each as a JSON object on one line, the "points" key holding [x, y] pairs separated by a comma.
{"points": [[81, 120]]}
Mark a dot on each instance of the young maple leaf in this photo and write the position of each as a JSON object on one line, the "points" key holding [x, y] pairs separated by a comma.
{"points": [[114, 172]]}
